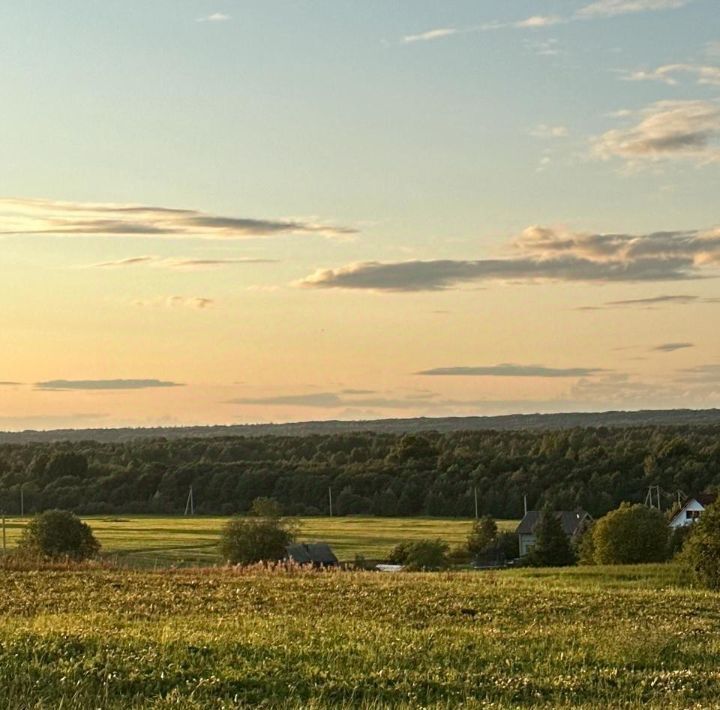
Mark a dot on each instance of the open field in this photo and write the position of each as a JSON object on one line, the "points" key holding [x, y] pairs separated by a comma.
{"points": [[150, 541], [590, 638]]}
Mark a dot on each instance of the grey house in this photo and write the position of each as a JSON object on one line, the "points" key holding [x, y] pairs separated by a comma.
{"points": [[317, 554], [573, 523]]}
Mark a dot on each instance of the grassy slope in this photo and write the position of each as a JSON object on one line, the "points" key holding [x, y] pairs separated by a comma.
{"points": [[598, 637], [148, 541]]}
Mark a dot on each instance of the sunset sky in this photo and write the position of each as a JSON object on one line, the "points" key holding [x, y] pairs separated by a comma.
{"points": [[230, 211]]}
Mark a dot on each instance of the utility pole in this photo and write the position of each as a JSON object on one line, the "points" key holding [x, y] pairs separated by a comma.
{"points": [[476, 503], [3, 526], [330, 500], [190, 503], [525, 503], [22, 501]]}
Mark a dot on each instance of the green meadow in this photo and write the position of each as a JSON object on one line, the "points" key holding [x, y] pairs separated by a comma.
{"points": [[183, 541], [231, 638]]}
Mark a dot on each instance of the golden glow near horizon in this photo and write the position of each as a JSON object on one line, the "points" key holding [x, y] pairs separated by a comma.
{"points": [[441, 210]]}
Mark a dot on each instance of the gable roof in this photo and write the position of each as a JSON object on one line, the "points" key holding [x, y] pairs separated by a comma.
{"points": [[571, 521], [319, 553]]}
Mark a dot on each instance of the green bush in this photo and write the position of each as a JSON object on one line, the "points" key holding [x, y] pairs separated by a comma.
{"points": [[508, 543], [631, 534], [57, 534], [484, 535], [552, 546], [702, 548], [421, 554], [244, 541]]}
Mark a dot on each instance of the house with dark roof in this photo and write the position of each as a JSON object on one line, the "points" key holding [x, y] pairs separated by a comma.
{"points": [[692, 509], [317, 554], [573, 524]]}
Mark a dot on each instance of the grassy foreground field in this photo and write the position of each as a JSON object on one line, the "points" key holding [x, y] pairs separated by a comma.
{"points": [[583, 638], [156, 541]]}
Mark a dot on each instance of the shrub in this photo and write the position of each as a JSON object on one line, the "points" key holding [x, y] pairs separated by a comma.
{"points": [[552, 546], [483, 535], [421, 554], [631, 534], [57, 534], [508, 543], [244, 541], [585, 547], [678, 538], [702, 548]]}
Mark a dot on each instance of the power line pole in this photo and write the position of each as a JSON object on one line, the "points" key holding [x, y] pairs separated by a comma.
{"points": [[330, 500], [22, 501], [3, 526], [190, 503], [525, 503], [476, 503]]}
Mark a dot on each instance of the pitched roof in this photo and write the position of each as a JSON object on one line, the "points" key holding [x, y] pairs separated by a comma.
{"points": [[319, 553], [571, 520]]}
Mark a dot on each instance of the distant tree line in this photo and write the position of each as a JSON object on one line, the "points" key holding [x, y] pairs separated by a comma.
{"points": [[369, 473]]}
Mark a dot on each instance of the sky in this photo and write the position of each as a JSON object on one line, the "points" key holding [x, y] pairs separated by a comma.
{"points": [[234, 211]]}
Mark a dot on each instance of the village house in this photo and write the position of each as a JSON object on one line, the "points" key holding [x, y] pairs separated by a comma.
{"points": [[573, 524], [692, 509], [317, 554]]}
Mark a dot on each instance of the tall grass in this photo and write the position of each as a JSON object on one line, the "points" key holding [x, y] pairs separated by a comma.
{"points": [[281, 637]]}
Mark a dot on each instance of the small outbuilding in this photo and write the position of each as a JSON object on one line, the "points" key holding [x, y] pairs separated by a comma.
{"points": [[573, 524], [317, 554], [692, 509]]}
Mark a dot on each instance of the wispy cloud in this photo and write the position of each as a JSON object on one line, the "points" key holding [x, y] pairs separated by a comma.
{"points": [[104, 384], [671, 347], [215, 17], [671, 74], [196, 302], [539, 21], [612, 8], [510, 370], [430, 35], [22, 216], [179, 263], [667, 130], [650, 302], [543, 254], [543, 130], [593, 11]]}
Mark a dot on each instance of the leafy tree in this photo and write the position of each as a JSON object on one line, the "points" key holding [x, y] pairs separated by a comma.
{"points": [[57, 534], [631, 534], [702, 548], [266, 508], [244, 541], [484, 535], [552, 546], [421, 554]]}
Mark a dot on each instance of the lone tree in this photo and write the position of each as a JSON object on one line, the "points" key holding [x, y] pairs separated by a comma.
{"points": [[552, 546], [57, 534], [631, 534], [483, 535], [702, 548], [421, 554], [262, 537]]}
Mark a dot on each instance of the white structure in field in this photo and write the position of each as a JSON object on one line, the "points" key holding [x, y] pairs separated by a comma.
{"points": [[692, 510]]}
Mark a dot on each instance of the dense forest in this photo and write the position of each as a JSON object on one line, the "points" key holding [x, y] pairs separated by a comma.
{"points": [[429, 473]]}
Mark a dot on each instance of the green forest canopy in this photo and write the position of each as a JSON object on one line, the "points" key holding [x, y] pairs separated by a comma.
{"points": [[385, 474]]}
